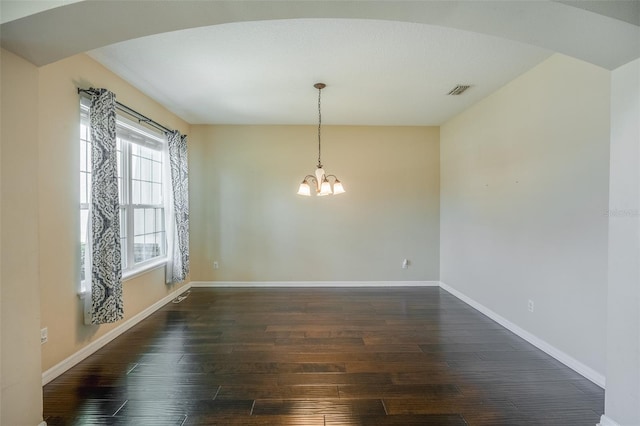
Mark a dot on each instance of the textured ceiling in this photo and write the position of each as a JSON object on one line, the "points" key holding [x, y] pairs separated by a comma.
{"points": [[377, 72], [385, 62]]}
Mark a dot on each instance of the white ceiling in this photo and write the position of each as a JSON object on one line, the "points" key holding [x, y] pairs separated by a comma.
{"points": [[385, 62], [377, 72], [10, 10]]}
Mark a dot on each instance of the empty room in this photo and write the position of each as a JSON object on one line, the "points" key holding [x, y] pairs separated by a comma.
{"points": [[320, 213]]}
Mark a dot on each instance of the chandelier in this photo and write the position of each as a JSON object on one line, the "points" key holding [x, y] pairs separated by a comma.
{"points": [[321, 182]]}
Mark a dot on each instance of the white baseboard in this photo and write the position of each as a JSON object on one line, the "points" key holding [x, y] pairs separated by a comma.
{"points": [[315, 283], [94, 346], [567, 360], [606, 421]]}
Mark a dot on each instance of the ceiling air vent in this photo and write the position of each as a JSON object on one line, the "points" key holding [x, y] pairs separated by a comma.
{"points": [[458, 90]]}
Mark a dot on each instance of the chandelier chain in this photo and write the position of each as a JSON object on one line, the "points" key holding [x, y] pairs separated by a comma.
{"points": [[319, 126]]}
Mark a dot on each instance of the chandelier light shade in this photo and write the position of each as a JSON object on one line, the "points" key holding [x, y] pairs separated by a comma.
{"points": [[323, 184]]}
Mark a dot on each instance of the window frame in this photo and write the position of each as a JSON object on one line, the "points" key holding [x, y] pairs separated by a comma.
{"points": [[129, 133]]}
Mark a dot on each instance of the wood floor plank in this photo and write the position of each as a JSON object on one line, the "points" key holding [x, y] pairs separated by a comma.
{"points": [[398, 420], [330, 407], [395, 367], [399, 391], [263, 420], [313, 356], [118, 421], [278, 392]]}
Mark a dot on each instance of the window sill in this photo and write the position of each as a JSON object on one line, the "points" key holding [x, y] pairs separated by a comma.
{"points": [[136, 272], [143, 269]]}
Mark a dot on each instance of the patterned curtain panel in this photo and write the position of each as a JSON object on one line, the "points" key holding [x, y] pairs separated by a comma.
{"points": [[106, 265], [177, 145]]}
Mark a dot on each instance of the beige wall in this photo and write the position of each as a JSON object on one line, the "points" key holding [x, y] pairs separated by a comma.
{"points": [[20, 304], [524, 198], [58, 214], [247, 216]]}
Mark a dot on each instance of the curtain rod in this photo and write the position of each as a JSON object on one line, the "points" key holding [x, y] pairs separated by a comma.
{"points": [[132, 112]]}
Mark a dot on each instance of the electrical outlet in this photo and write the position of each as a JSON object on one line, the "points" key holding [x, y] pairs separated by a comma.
{"points": [[530, 305], [215, 264], [44, 335], [405, 264]]}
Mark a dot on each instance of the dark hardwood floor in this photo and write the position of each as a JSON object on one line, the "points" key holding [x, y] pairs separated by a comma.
{"points": [[359, 356]]}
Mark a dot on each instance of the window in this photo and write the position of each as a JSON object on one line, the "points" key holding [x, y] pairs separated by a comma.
{"points": [[141, 193]]}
